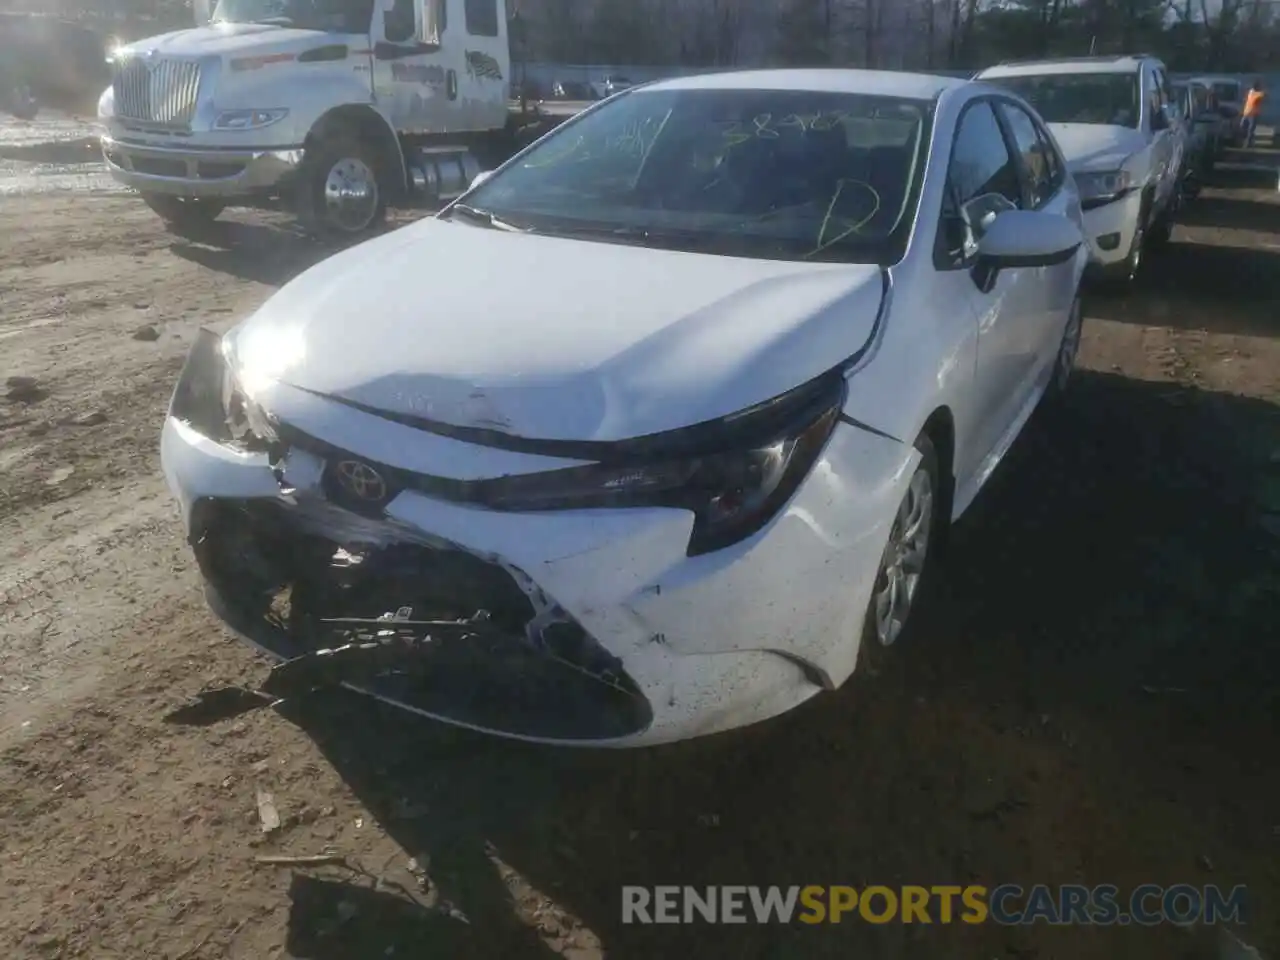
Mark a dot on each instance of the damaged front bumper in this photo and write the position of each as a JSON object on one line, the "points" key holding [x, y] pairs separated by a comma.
{"points": [[296, 579], [588, 626]]}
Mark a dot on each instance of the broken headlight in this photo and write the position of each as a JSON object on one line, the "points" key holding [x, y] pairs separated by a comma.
{"points": [[731, 493], [209, 399]]}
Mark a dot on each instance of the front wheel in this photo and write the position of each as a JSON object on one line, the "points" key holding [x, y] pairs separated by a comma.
{"points": [[906, 565], [1068, 349], [1162, 230], [340, 194], [1123, 276]]}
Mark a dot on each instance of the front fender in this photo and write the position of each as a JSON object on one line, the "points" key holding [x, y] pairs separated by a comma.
{"points": [[309, 98]]}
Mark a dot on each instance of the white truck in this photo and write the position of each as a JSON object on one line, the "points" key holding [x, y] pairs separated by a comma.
{"points": [[335, 109]]}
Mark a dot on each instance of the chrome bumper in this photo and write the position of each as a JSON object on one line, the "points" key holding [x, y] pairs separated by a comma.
{"points": [[192, 172]]}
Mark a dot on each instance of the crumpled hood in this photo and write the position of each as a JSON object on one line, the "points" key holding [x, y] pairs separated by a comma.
{"points": [[225, 39], [549, 338], [1096, 146]]}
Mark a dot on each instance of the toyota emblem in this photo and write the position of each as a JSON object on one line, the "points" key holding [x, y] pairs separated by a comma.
{"points": [[361, 481]]}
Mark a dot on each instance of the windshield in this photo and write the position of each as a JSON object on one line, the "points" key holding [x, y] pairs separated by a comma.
{"points": [[774, 174], [331, 16], [1108, 98]]}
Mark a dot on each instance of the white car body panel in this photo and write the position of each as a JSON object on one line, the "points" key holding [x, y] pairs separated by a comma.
{"points": [[711, 335], [1097, 146], [582, 341]]}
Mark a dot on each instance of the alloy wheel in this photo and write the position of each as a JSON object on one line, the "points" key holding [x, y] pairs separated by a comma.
{"points": [[904, 558], [1069, 348]]}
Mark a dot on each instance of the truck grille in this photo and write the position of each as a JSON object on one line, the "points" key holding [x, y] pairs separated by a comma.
{"points": [[161, 90]]}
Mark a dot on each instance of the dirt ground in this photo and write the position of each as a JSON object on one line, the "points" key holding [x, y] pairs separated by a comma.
{"points": [[1095, 701]]}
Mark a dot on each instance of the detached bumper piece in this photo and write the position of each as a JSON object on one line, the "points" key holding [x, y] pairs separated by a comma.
{"points": [[433, 629]]}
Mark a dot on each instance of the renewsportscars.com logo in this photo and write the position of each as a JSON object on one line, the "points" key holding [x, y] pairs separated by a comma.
{"points": [[1007, 904]]}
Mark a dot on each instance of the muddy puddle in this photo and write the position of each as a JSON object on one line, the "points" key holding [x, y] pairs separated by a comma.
{"points": [[53, 153]]}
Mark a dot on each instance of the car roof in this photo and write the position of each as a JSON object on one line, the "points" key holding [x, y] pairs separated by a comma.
{"points": [[889, 83], [1024, 68]]}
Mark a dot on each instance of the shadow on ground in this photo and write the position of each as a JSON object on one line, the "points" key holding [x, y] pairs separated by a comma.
{"points": [[262, 253], [1233, 213], [1094, 699], [1207, 278]]}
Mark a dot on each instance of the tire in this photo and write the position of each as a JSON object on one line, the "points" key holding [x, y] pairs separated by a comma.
{"points": [[184, 215], [1161, 231], [341, 193], [875, 625], [1064, 363]]}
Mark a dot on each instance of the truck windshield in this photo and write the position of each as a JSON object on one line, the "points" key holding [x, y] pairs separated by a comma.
{"points": [[773, 174], [331, 16], [1107, 98]]}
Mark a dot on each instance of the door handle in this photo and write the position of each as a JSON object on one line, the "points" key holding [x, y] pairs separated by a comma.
{"points": [[451, 84]]}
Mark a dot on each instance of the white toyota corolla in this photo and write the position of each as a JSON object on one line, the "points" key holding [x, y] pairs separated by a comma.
{"points": [[651, 431]]}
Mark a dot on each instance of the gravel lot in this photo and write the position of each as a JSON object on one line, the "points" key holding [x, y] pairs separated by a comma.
{"points": [[1097, 701]]}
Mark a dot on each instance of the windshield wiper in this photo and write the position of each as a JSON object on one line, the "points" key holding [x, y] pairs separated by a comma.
{"points": [[484, 218], [638, 236]]}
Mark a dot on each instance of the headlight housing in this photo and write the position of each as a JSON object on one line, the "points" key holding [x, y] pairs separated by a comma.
{"points": [[248, 119], [209, 399], [731, 493], [1098, 188]]}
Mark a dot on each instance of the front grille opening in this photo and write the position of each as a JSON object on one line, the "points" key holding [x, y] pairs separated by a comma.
{"points": [[159, 167], [210, 170], [283, 574]]}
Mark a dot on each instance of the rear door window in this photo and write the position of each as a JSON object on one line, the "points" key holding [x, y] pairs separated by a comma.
{"points": [[482, 17], [981, 166], [1037, 157]]}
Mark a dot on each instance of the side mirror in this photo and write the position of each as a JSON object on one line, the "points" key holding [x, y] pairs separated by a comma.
{"points": [[1024, 238], [1160, 118], [480, 178]]}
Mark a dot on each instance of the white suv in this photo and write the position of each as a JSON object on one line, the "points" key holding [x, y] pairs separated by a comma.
{"points": [[1111, 118]]}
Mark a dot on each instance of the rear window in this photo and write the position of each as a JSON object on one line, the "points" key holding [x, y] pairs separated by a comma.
{"points": [[1228, 92]]}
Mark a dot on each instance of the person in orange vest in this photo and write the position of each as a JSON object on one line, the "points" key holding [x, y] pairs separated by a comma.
{"points": [[1252, 108]]}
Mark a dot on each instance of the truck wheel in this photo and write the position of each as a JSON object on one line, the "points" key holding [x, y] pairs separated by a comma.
{"points": [[184, 214], [339, 191]]}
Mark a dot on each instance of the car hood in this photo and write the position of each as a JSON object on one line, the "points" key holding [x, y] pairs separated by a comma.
{"points": [[551, 338], [224, 39], [1096, 146]]}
